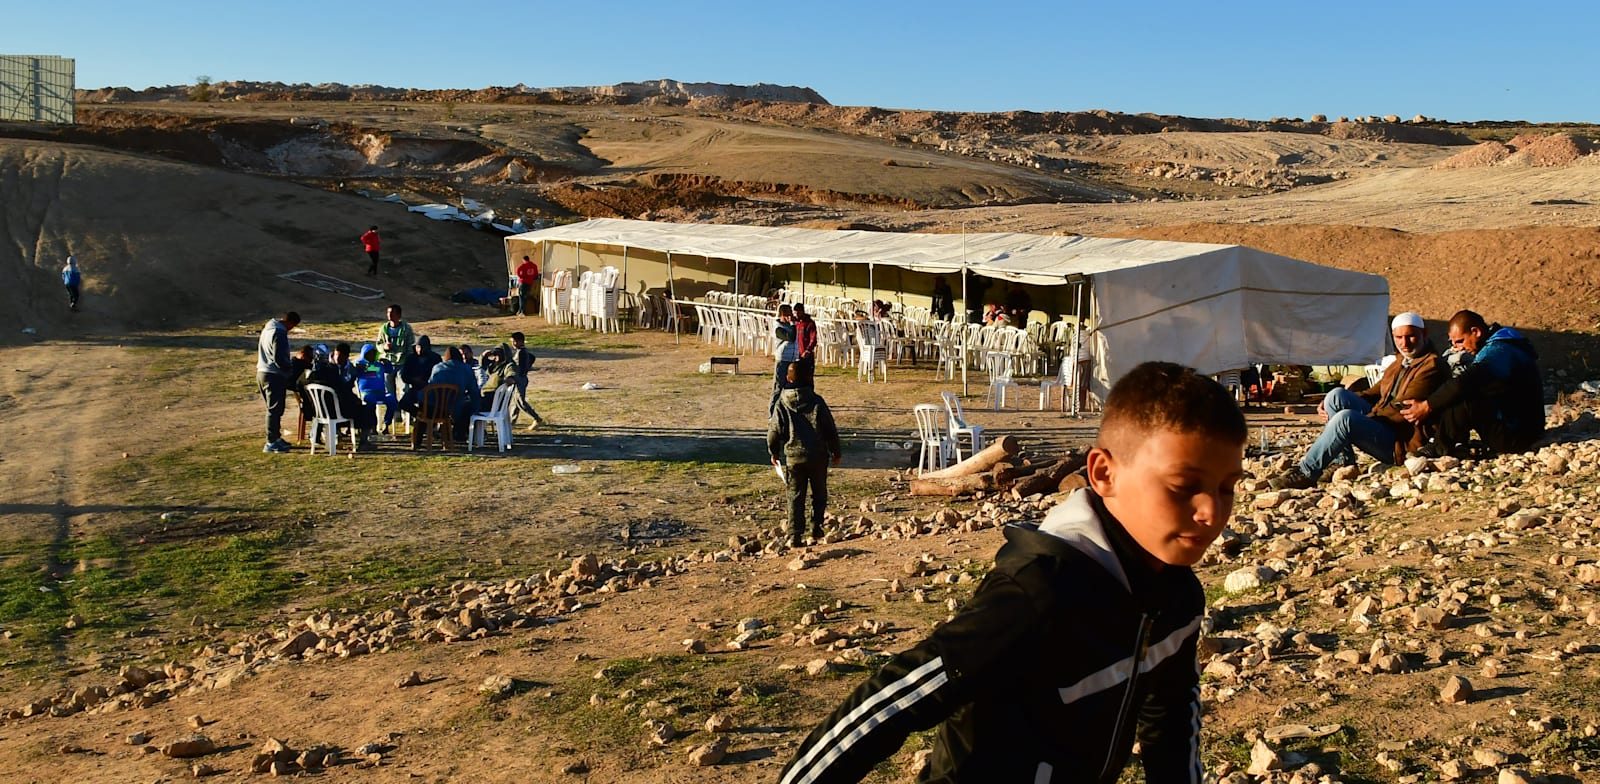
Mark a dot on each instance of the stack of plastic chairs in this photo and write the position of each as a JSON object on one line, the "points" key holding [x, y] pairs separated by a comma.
{"points": [[558, 303]]}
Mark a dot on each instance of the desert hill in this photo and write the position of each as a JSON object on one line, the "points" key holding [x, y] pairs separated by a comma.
{"points": [[168, 246], [1373, 194]]}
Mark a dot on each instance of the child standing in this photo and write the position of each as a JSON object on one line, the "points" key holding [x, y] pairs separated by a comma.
{"points": [[1082, 639], [371, 243], [73, 280], [802, 437]]}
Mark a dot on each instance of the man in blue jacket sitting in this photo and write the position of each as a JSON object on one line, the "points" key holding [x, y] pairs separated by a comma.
{"points": [[455, 372], [1500, 394]]}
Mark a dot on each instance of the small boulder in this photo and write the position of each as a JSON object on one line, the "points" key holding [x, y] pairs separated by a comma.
{"points": [[710, 753], [192, 746], [1456, 690]]}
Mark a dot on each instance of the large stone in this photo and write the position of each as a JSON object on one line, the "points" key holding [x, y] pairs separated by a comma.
{"points": [[1248, 578], [719, 722], [1432, 618], [192, 746], [1263, 759], [497, 687], [1456, 689], [299, 643], [710, 753]]}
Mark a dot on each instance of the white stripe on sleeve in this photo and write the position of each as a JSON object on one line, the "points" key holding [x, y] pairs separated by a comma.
{"points": [[921, 682]]}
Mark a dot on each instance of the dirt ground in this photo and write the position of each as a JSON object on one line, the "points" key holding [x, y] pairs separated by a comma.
{"points": [[142, 406]]}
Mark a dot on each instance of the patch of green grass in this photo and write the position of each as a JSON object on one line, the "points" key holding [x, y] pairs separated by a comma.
{"points": [[230, 578], [803, 600], [377, 576]]}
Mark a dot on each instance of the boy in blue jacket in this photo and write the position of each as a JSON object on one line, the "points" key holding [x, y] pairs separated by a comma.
{"points": [[1082, 638]]}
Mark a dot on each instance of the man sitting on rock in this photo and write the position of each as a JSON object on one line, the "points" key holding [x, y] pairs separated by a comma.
{"points": [[1499, 394], [1373, 420]]}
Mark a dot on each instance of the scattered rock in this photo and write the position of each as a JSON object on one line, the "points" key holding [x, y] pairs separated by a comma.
{"points": [[1456, 689], [1248, 578], [497, 687], [710, 753], [192, 746], [408, 680], [1263, 759]]}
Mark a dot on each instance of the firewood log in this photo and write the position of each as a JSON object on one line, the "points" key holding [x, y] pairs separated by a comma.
{"points": [[952, 485], [1003, 447]]}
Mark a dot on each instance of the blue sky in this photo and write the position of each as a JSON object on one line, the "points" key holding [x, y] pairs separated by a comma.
{"points": [[1465, 60]]}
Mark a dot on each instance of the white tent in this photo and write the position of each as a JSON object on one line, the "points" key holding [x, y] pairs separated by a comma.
{"points": [[1211, 307]]}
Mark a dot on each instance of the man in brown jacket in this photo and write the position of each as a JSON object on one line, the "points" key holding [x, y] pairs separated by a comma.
{"points": [[1372, 420]]}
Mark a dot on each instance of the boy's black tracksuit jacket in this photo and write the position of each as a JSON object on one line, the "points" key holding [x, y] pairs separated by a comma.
{"points": [[1071, 648]]}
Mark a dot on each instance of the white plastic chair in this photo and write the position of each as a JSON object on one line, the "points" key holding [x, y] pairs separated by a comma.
{"points": [[869, 340], [499, 415], [936, 445], [325, 402], [958, 426], [1232, 380], [1061, 381], [999, 367]]}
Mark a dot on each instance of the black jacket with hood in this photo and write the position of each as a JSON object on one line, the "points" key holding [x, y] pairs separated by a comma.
{"points": [[801, 429], [1071, 648]]}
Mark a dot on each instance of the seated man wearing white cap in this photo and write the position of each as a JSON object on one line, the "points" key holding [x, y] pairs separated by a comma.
{"points": [[1372, 420]]}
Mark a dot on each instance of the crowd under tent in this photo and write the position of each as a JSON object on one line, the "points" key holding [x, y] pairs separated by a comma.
{"points": [[1212, 307]]}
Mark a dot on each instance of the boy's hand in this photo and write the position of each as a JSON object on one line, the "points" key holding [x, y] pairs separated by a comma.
{"points": [[836, 459]]}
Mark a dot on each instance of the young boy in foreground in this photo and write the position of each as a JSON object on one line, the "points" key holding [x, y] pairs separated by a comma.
{"points": [[1082, 638]]}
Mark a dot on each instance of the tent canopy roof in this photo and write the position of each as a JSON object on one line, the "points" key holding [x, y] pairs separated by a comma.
{"points": [[1025, 258]]}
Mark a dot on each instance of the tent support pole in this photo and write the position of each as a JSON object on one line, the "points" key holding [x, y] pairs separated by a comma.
{"points": [[672, 302], [964, 308], [735, 304], [1077, 338]]}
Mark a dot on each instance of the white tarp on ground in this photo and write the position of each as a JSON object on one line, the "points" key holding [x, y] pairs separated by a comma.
{"points": [[1212, 307]]}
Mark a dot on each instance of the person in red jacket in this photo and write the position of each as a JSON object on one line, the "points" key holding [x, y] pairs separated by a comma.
{"points": [[528, 287], [370, 242]]}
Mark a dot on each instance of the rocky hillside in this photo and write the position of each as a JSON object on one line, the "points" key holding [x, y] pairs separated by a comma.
{"points": [[659, 92]]}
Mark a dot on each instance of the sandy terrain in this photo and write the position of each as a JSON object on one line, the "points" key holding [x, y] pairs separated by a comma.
{"points": [[184, 215]]}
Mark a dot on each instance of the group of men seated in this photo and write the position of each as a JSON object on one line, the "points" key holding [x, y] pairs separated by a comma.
{"points": [[367, 381], [1419, 407]]}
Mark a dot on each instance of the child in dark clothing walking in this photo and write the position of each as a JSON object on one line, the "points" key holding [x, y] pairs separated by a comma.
{"points": [[802, 437]]}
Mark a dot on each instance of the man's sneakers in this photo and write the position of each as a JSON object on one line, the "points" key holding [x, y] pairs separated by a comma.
{"points": [[1293, 479], [366, 446], [1434, 450], [278, 447], [797, 541], [816, 534]]}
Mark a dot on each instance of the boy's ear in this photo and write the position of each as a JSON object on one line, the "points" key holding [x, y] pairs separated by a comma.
{"points": [[1102, 470]]}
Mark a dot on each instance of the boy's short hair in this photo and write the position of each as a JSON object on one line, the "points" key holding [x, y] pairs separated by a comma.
{"points": [[1167, 396], [800, 374]]}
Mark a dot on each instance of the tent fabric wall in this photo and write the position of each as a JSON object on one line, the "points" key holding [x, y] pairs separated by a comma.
{"points": [[1212, 307]]}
